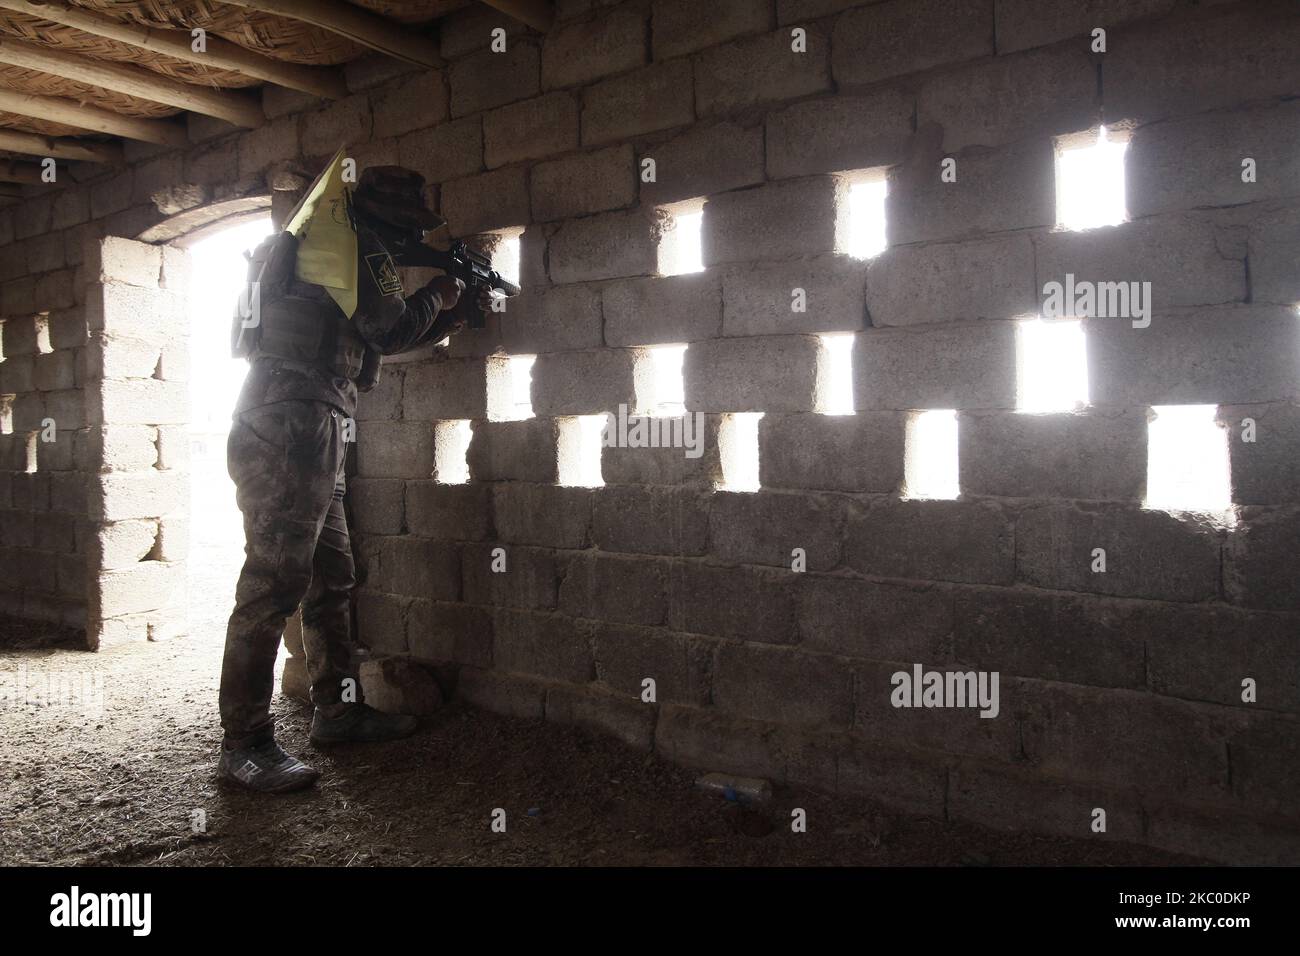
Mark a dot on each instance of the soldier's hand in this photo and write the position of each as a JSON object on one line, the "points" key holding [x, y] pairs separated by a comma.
{"points": [[448, 289], [486, 296]]}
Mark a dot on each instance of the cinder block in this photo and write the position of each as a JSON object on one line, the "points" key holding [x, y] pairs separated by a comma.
{"points": [[1022, 24], [626, 655], [1226, 354], [448, 151], [28, 412], [862, 452], [774, 373], [57, 290], [494, 200], [777, 221], [837, 133], [18, 297], [54, 532], [703, 161], [748, 604], [783, 685], [1179, 255], [1171, 746], [894, 777], [631, 722], [964, 366], [1012, 187], [616, 588], [144, 494], [906, 36], [1148, 554], [683, 26], [1092, 455], [1257, 558], [18, 373], [395, 449], [1195, 162], [672, 521], [377, 506], [695, 461], [130, 402], [68, 492], [501, 693], [1043, 92], [608, 246], [662, 309], [515, 451], [657, 97], [867, 619], [824, 294], [348, 121], [962, 541], [947, 282], [704, 738], [584, 183], [555, 320], [144, 587], [532, 129], [71, 208], [578, 53], [55, 370], [120, 357], [67, 329], [1028, 633], [470, 30], [767, 528], [761, 69], [1266, 469], [381, 622], [591, 382], [521, 577], [455, 388], [111, 195], [1174, 68], [275, 142], [441, 632], [417, 101], [541, 514], [415, 567], [946, 730], [22, 335], [398, 686], [384, 401], [45, 253], [121, 309], [448, 512], [485, 80], [544, 645], [1274, 247]]}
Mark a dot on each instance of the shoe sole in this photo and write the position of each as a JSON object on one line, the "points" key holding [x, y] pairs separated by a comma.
{"points": [[287, 787]]}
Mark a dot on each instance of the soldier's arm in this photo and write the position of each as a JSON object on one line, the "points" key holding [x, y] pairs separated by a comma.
{"points": [[387, 320]]}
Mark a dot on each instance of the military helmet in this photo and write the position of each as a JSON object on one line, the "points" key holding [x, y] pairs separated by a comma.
{"points": [[394, 195]]}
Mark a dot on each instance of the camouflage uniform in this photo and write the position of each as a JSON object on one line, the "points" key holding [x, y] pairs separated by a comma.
{"points": [[286, 455]]}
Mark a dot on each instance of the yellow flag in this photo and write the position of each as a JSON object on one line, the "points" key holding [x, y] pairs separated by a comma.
{"points": [[327, 243]]}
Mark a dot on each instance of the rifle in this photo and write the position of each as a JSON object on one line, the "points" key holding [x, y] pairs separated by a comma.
{"points": [[470, 267]]}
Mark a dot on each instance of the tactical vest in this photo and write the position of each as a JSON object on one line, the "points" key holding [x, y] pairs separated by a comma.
{"points": [[276, 320]]}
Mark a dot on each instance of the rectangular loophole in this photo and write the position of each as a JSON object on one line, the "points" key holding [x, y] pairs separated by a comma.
{"points": [[505, 257], [580, 442], [836, 367], [669, 386], [1051, 365], [451, 451], [681, 249], [509, 387], [738, 451], [1090, 188], [1187, 461], [861, 230], [930, 455]]}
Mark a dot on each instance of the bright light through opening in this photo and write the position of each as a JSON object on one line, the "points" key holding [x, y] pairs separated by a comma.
{"points": [[669, 390], [837, 366], [930, 456], [451, 450], [681, 250], [1090, 184], [738, 450], [521, 384], [1187, 461], [1052, 365], [866, 225], [505, 258], [581, 441]]}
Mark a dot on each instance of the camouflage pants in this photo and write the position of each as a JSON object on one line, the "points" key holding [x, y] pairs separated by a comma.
{"points": [[286, 460]]}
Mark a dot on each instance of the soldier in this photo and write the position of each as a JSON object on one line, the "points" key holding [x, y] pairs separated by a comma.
{"points": [[286, 452]]}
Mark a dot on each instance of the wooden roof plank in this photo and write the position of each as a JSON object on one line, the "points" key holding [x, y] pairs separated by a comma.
{"points": [[386, 36], [71, 113], [32, 144]]}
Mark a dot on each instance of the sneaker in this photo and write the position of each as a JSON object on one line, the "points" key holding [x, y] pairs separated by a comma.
{"points": [[360, 723], [265, 768]]}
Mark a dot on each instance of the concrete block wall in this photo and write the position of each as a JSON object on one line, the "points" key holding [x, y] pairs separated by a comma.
{"points": [[1120, 690]]}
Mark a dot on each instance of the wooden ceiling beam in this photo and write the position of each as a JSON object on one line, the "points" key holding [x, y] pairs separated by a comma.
{"points": [[54, 109], [134, 81], [11, 172], [33, 144], [219, 54], [379, 33], [538, 14]]}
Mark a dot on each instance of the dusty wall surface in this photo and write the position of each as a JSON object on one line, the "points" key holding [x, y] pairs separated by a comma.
{"points": [[1119, 690]]}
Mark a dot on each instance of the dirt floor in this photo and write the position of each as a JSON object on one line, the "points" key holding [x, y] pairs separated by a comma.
{"points": [[83, 787]]}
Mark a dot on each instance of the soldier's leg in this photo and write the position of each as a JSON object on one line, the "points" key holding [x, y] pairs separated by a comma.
{"points": [[326, 613], [283, 458]]}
